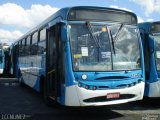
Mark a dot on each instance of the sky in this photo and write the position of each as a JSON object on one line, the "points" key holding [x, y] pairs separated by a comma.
{"points": [[19, 16]]}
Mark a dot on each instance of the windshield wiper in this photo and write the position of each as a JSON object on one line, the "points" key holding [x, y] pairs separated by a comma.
{"points": [[119, 30], [115, 38], [110, 32], [96, 39]]}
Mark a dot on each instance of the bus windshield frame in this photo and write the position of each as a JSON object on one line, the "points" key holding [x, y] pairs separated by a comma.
{"points": [[111, 30], [156, 37]]}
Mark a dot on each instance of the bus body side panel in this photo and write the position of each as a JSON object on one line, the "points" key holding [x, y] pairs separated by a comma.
{"points": [[70, 92], [31, 74], [153, 84], [41, 72]]}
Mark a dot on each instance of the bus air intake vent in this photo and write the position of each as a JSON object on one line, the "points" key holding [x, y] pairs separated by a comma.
{"points": [[104, 98], [103, 87], [111, 77]]}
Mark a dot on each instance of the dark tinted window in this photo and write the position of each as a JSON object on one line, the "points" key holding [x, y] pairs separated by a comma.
{"points": [[42, 34], [42, 47], [35, 38], [34, 46], [42, 42], [22, 48], [27, 48]]}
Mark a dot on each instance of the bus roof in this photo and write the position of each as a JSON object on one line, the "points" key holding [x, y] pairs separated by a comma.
{"points": [[64, 13], [150, 27]]}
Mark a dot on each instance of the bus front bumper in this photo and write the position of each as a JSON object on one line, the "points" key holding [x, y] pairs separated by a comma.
{"points": [[78, 96]]}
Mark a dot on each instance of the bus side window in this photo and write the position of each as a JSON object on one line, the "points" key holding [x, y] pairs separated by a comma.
{"points": [[20, 48], [27, 48], [42, 42], [23, 47], [34, 44], [17, 50]]}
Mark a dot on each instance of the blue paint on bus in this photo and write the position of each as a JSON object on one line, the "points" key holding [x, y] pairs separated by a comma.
{"points": [[150, 33], [83, 56]]}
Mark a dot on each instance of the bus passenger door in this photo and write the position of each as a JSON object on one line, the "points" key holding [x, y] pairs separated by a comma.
{"points": [[52, 62]]}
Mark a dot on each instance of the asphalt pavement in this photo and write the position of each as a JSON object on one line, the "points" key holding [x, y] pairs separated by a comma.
{"points": [[18, 102]]}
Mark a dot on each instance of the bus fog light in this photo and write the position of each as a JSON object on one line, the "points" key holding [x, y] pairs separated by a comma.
{"points": [[84, 77], [94, 88], [87, 87], [79, 84], [140, 80]]}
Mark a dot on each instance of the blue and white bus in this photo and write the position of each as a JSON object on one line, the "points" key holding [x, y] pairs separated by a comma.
{"points": [[83, 56], [150, 33], [13, 66], [2, 59]]}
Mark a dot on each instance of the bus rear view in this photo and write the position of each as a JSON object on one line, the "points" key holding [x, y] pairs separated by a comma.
{"points": [[150, 33], [106, 57]]}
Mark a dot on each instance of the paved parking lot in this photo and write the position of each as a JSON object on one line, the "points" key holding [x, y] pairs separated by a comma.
{"points": [[18, 102]]}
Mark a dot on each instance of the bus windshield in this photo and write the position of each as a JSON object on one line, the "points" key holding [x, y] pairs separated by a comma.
{"points": [[157, 49], [104, 47]]}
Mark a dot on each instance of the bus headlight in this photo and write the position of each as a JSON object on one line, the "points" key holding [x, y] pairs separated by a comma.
{"points": [[84, 77]]}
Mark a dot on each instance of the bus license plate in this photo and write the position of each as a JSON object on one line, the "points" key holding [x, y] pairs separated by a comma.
{"points": [[113, 95]]}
